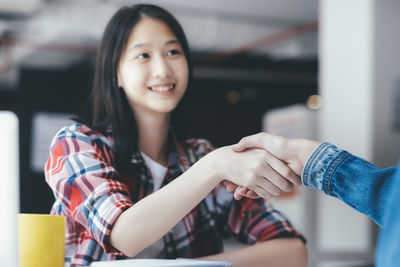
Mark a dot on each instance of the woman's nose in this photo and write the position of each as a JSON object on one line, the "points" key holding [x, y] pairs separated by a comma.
{"points": [[161, 68]]}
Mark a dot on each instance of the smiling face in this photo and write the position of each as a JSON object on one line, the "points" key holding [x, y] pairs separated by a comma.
{"points": [[153, 70]]}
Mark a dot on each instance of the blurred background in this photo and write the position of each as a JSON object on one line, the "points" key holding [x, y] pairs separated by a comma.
{"points": [[327, 70]]}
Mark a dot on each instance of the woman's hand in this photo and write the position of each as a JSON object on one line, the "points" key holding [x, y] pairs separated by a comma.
{"points": [[293, 152], [255, 169]]}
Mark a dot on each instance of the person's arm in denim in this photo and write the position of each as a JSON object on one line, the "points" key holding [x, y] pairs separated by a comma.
{"points": [[325, 167], [369, 189], [353, 180]]}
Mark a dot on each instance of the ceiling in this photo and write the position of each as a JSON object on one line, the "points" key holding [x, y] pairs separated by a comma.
{"points": [[255, 26], [283, 12], [226, 25]]}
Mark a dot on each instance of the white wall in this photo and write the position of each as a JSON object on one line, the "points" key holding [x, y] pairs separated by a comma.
{"points": [[346, 87], [359, 72], [386, 83], [346, 67]]}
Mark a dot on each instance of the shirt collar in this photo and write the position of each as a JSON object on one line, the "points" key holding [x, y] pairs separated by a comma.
{"points": [[176, 153]]}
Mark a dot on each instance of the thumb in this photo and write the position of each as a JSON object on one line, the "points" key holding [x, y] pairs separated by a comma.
{"points": [[251, 141], [230, 187], [239, 147]]}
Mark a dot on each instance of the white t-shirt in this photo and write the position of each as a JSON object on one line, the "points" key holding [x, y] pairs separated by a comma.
{"points": [[158, 172]]}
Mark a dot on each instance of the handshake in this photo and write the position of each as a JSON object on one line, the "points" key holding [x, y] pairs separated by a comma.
{"points": [[266, 164]]}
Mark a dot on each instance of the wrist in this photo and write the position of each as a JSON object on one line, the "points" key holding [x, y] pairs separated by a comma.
{"points": [[298, 152], [307, 148], [213, 165]]}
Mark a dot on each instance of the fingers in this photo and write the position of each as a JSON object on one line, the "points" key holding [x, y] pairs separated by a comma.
{"points": [[265, 188], [244, 192], [260, 186], [237, 195], [260, 191], [261, 172], [240, 191], [295, 179], [269, 173], [259, 141], [230, 186], [281, 175]]}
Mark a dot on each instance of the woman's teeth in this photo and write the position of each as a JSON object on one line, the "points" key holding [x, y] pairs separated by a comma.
{"points": [[162, 88]]}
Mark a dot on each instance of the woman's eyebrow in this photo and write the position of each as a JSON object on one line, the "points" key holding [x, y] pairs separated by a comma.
{"points": [[173, 41], [144, 45], [139, 45]]}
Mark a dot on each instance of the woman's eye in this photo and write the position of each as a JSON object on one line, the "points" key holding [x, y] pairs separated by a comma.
{"points": [[174, 52], [143, 56]]}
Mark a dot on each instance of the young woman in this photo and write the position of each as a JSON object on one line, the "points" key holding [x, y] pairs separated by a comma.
{"points": [[129, 188]]}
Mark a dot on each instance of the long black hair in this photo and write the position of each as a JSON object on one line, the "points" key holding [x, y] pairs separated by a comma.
{"points": [[112, 114]]}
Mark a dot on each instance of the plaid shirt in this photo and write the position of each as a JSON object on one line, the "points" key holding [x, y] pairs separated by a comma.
{"points": [[91, 193]]}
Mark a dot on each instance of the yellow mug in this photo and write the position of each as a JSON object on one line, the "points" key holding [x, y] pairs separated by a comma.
{"points": [[41, 240]]}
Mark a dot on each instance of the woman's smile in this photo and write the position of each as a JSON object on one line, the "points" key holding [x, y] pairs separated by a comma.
{"points": [[163, 89]]}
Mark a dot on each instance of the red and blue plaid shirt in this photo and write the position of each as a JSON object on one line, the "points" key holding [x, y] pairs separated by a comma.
{"points": [[91, 194]]}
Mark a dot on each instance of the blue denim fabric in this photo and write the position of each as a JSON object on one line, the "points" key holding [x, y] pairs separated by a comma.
{"points": [[353, 180], [388, 251], [367, 188]]}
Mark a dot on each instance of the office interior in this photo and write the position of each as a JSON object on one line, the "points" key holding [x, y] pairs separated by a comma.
{"points": [[326, 70]]}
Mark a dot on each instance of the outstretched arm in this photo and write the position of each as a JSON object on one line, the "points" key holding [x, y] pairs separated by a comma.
{"points": [[164, 208], [90, 191], [332, 170]]}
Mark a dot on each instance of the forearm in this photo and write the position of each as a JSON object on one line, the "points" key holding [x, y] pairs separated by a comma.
{"points": [[153, 216], [285, 252]]}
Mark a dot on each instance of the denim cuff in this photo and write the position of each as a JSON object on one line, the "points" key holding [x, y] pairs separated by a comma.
{"points": [[320, 167]]}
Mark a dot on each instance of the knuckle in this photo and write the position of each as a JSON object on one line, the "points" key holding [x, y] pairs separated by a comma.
{"points": [[255, 167], [287, 187], [262, 157], [286, 172], [263, 154], [266, 157], [275, 192]]}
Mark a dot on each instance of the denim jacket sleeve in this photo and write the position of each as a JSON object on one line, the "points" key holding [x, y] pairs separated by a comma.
{"points": [[388, 251], [351, 179]]}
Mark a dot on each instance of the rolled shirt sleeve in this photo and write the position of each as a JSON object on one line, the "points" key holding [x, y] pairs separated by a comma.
{"points": [[85, 183]]}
